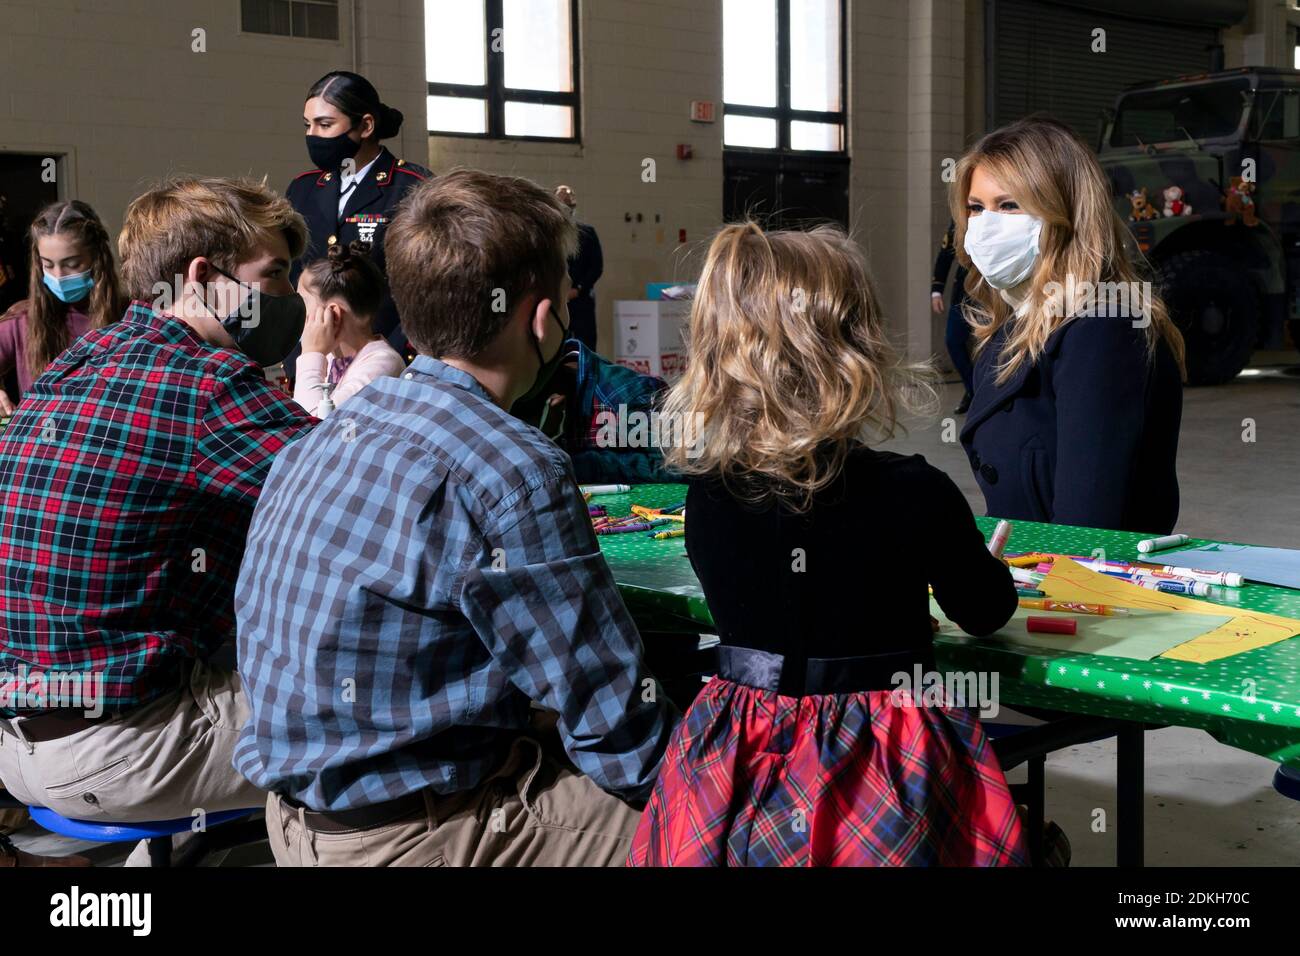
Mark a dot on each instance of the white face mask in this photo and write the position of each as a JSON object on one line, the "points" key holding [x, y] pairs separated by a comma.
{"points": [[1003, 246]]}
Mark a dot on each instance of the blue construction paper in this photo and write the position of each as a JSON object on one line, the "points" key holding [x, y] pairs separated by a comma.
{"points": [[1280, 566]]}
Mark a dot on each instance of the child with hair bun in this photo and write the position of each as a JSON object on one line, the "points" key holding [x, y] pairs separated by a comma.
{"points": [[343, 292]]}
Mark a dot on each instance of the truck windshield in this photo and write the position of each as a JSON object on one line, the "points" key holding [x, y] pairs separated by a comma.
{"points": [[1167, 116]]}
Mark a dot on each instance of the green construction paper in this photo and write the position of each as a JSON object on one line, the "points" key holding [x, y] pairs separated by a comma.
{"points": [[1138, 635]]}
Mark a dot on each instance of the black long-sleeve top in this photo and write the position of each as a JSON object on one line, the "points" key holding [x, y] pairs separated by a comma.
{"points": [[588, 264], [943, 265], [848, 577]]}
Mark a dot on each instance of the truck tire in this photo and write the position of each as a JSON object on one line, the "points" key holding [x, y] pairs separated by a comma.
{"points": [[1215, 306]]}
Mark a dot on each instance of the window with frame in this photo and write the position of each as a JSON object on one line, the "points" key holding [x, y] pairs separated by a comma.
{"points": [[783, 75], [310, 19], [502, 69]]}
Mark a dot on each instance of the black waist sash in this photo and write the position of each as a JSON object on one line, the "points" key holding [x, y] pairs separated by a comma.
{"points": [[765, 670]]}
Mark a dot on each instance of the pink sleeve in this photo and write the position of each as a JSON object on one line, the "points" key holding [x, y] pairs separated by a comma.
{"points": [[365, 369], [9, 344], [312, 368]]}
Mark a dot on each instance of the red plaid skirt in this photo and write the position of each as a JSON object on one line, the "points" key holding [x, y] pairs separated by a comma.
{"points": [[752, 778]]}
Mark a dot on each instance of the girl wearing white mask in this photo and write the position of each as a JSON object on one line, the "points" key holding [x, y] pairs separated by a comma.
{"points": [[72, 288], [1078, 374]]}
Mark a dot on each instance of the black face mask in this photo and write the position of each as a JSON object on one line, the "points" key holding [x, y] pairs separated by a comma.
{"points": [[329, 152], [268, 329], [548, 367]]}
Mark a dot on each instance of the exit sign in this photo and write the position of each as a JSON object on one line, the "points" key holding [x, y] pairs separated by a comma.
{"points": [[701, 111]]}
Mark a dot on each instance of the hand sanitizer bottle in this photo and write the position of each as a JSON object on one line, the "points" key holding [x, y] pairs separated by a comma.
{"points": [[326, 403]]}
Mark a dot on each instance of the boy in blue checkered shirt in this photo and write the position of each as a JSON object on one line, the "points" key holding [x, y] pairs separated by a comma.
{"points": [[421, 571]]}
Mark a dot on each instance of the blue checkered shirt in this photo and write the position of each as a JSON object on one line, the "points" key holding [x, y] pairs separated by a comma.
{"points": [[418, 569]]}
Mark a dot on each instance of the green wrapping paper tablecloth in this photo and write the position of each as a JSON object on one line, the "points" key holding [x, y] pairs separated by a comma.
{"points": [[1250, 700]]}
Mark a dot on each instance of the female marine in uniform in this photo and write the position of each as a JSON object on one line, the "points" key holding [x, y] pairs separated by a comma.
{"points": [[353, 191]]}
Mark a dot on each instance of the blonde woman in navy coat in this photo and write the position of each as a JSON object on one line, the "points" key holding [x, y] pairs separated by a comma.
{"points": [[353, 191], [1078, 374]]}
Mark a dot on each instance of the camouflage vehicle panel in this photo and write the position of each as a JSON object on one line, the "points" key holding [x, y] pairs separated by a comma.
{"points": [[1227, 251]]}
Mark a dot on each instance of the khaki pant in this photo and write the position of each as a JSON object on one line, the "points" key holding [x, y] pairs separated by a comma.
{"points": [[11, 821], [165, 760], [533, 812]]}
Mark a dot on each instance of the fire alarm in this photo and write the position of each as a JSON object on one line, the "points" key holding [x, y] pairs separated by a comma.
{"points": [[684, 151]]}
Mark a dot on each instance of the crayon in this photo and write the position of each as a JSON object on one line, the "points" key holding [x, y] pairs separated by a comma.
{"points": [[623, 529], [675, 533], [1030, 593], [1162, 543], [1026, 560]]}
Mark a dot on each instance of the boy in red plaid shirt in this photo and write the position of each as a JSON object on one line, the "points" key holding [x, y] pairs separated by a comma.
{"points": [[128, 477]]}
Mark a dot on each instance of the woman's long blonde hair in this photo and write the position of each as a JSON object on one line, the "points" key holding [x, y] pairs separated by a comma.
{"points": [[1053, 175], [789, 365]]}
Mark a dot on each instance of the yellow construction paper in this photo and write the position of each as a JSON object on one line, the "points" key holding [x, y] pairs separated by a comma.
{"points": [[1071, 581]]}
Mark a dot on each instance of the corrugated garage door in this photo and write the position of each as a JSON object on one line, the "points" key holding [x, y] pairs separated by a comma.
{"points": [[1038, 58]]}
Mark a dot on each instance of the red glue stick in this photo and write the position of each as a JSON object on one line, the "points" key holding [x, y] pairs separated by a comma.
{"points": [[1052, 625]]}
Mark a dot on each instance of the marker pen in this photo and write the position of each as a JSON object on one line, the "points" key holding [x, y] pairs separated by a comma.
{"points": [[1192, 588], [1001, 534], [1025, 576], [605, 489], [1163, 543], [1230, 579], [1071, 607]]}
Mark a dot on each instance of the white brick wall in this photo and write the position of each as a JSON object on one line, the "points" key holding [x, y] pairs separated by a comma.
{"points": [[908, 115], [116, 87], [642, 62]]}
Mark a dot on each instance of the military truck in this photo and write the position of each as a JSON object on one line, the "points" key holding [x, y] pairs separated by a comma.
{"points": [[1206, 169]]}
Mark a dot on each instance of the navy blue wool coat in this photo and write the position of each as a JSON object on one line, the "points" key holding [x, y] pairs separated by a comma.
{"points": [[1087, 435]]}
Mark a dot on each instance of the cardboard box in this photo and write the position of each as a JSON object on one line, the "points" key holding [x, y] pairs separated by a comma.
{"points": [[648, 336]]}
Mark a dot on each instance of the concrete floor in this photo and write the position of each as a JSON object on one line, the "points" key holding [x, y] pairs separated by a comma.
{"points": [[1207, 804]]}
